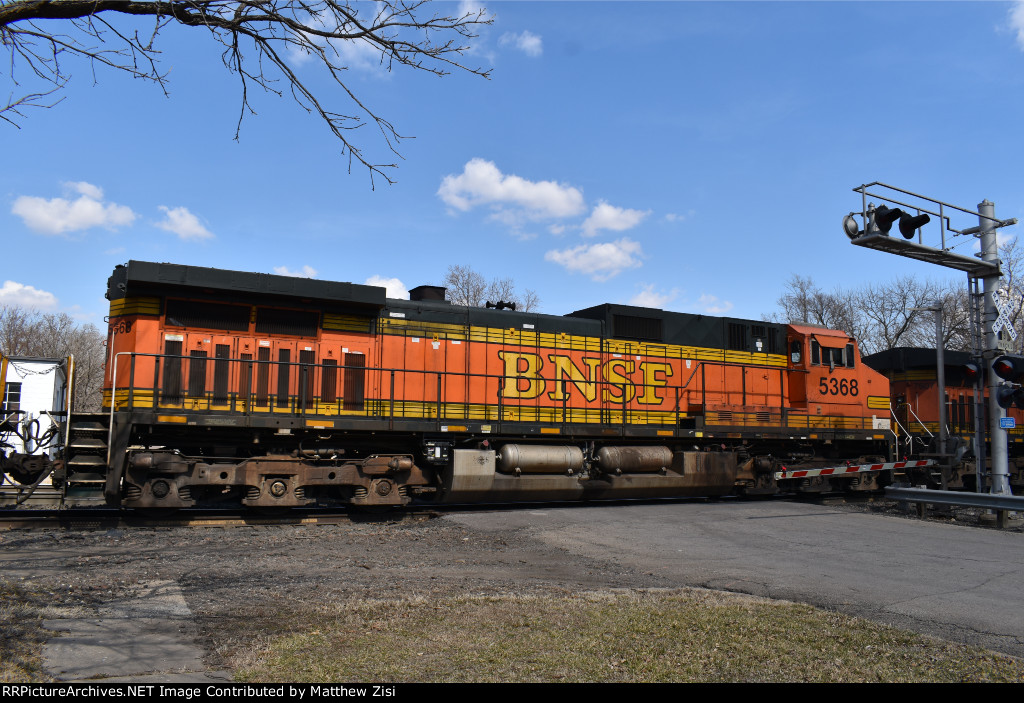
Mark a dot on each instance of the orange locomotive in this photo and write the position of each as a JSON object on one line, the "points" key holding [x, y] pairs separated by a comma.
{"points": [[277, 391]]}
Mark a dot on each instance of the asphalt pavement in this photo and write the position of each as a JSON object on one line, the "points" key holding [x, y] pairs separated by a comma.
{"points": [[955, 582]]}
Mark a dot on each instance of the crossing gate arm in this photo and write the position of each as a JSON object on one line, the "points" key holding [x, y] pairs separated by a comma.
{"points": [[853, 469]]}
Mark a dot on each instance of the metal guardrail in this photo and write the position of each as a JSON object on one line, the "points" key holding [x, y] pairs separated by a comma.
{"points": [[921, 496]]}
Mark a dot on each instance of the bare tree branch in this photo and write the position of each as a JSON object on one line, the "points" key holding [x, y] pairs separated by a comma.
{"points": [[265, 42], [467, 287], [881, 315]]}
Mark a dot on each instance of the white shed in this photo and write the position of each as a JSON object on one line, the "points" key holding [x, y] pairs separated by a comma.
{"points": [[35, 392]]}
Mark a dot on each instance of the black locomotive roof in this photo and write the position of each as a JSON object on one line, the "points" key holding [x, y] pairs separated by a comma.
{"points": [[446, 313], [654, 325], [900, 359], [146, 278]]}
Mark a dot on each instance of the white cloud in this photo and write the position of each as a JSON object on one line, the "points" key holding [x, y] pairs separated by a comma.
{"points": [[510, 197], [471, 7], [307, 271], [527, 42], [599, 261], [60, 215], [183, 223], [395, 288], [650, 298], [20, 295], [616, 219], [86, 189], [712, 305], [1016, 20]]}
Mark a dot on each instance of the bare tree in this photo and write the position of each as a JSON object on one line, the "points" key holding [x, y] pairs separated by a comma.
{"points": [[56, 336], [880, 315], [467, 287], [892, 315], [804, 302], [956, 321], [264, 42]]}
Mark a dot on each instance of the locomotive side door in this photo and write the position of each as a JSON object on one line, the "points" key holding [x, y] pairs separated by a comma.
{"points": [[284, 376], [796, 350], [339, 379]]}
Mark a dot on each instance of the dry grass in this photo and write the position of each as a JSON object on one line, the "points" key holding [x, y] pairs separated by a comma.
{"points": [[21, 634], [611, 636], [645, 636]]}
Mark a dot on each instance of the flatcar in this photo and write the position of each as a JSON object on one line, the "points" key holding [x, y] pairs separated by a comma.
{"points": [[228, 387]]}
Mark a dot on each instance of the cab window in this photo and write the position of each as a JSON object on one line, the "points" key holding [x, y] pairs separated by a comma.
{"points": [[831, 356]]}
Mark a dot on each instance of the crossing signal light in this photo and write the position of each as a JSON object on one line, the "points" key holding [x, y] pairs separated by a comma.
{"points": [[885, 216], [911, 223], [1009, 367], [1007, 396], [880, 221], [971, 371]]}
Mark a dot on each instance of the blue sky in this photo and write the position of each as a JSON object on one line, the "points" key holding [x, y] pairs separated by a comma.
{"points": [[687, 155]]}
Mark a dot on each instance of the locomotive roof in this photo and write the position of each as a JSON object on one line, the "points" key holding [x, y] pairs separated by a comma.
{"points": [[610, 320], [913, 358], [655, 325], [144, 277], [445, 312]]}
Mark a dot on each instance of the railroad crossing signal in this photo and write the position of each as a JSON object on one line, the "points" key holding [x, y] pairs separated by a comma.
{"points": [[1010, 367], [1010, 395], [971, 371], [884, 217]]}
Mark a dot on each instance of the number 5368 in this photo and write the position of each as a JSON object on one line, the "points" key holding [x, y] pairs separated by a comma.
{"points": [[834, 386]]}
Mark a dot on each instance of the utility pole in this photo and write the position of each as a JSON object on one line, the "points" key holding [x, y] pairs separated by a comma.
{"points": [[997, 434]]}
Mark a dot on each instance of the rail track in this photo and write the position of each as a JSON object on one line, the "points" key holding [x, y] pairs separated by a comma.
{"points": [[81, 517], [109, 518]]}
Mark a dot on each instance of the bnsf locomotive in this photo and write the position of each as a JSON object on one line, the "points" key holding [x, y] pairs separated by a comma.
{"points": [[274, 391], [915, 403]]}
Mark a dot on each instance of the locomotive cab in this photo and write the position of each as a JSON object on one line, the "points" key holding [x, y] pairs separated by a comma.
{"points": [[827, 379]]}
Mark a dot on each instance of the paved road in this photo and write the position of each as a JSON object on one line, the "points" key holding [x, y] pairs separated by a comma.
{"points": [[959, 583]]}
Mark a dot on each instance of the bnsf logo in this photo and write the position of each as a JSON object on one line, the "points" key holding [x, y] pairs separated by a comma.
{"points": [[617, 379]]}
